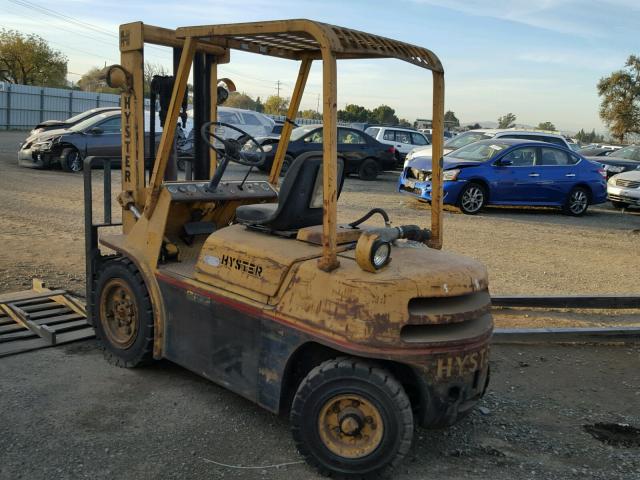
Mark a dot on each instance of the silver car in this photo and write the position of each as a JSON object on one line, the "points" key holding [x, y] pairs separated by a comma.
{"points": [[623, 190]]}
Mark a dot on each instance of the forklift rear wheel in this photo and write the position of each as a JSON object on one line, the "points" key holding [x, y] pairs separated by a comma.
{"points": [[351, 419], [124, 323]]}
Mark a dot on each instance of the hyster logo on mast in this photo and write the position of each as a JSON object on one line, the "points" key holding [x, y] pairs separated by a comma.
{"points": [[242, 265]]}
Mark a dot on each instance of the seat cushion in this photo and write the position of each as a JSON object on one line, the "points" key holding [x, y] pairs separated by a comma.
{"points": [[256, 214]]}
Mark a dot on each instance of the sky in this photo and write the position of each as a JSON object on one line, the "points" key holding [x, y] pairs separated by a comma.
{"points": [[540, 59]]}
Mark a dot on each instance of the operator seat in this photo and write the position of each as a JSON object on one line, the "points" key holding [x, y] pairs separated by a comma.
{"points": [[299, 201]]}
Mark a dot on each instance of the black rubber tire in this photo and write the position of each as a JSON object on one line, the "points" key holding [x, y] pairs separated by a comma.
{"points": [[352, 376], [71, 160], [368, 170], [141, 350], [569, 207], [619, 205], [286, 163], [470, 189]]}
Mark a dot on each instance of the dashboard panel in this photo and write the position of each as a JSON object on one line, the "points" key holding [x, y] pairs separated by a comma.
{"points": [[231, 190]]}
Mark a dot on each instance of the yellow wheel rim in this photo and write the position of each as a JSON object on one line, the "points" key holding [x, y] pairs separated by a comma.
{"points": [[119, 313], [350, 426]]}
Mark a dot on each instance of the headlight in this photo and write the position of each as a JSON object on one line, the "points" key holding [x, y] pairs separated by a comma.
{"points": [[380, 254], [43, 145], [267, 148], [450, 175], [613, 168]]}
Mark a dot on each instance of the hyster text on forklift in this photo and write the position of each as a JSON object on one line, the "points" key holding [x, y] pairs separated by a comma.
{"points": [[357, 332]]}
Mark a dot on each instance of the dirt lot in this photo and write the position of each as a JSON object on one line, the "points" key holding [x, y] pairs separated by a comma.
{"points": [[68, 414]]}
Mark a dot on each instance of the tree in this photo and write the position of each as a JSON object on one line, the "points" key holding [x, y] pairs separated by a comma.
{"points": [[150, 70], [241, 100], [94, 81], [28, 60], [593, 137], [276, 105], [450, 119], [475, 126], [310, 114], [507, 121], [384, 114], [620, 106], [354, 113], [403, 122], [546, 126]]}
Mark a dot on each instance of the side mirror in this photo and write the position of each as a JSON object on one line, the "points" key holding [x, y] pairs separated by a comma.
{"points": [[96, 131], [505, 162]]}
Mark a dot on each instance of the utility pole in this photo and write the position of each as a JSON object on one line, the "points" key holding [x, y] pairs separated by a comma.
{"points": [[278, 87]]}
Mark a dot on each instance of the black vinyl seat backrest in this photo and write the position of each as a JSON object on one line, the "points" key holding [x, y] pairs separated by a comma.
{"points": [[300, 201]]}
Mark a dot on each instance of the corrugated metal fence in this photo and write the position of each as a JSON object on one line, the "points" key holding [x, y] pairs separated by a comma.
{"points": [[23, 106]]}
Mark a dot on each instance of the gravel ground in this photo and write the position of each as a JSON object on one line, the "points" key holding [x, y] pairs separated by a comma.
{"points": [[68, 414]]}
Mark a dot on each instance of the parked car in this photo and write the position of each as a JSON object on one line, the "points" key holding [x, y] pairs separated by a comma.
{"points": [[362, 154], [402, 139], [70, 122], [622, 160], [623, 189], [471, 136], [595, 152], [277, 128], [510, 172], [98, 135]]}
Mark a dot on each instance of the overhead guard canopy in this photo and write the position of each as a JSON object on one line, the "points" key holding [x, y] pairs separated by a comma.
{"points": [[299, 39]]}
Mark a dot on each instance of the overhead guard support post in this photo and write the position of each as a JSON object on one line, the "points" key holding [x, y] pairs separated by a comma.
{"points": [[294, 106], [329, 259], [169, 129], [436, 160]]}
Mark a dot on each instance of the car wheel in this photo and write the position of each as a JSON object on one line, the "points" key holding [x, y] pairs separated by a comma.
{"points": [[123, 315], [71, 160], [286, 163], [472, 199], [351, 419], [368, 170], [620, 205], [577, 202]]}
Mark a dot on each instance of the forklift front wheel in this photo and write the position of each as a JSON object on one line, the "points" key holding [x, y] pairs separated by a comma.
{"points": [[124, 325], [351, 419]]}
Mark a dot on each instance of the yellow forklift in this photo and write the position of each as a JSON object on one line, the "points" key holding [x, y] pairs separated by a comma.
{"points": [[357, 332]]}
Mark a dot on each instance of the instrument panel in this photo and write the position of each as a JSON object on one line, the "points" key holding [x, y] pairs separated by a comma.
{"points": [[231, 190]]}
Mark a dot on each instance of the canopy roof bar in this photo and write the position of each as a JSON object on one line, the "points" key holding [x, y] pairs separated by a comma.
{"points": [[298, 39]]}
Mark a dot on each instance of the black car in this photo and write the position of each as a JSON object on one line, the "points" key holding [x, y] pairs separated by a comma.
{"points": [[70, 122], [622, 160], [362, 154], [595, 152], [99, 135]]}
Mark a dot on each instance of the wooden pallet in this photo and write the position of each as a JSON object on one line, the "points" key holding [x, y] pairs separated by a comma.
{"points": [[40, 318]]}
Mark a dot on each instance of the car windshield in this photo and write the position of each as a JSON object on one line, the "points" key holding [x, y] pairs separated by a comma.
{"points": [[79, 117], [480, 151], [88, 123], [632, 152], [298, 133], [465, 139]]}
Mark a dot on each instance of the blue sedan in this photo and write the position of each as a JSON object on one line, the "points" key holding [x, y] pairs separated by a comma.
{"points": [[510, 172]]}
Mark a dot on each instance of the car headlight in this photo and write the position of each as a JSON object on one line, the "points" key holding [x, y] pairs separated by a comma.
{"points": [[44, 144], [613, 168], [267, 148], [450, 175]]}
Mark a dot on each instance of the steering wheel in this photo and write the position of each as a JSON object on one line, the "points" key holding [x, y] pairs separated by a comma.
{"points": [[235, 150]]}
